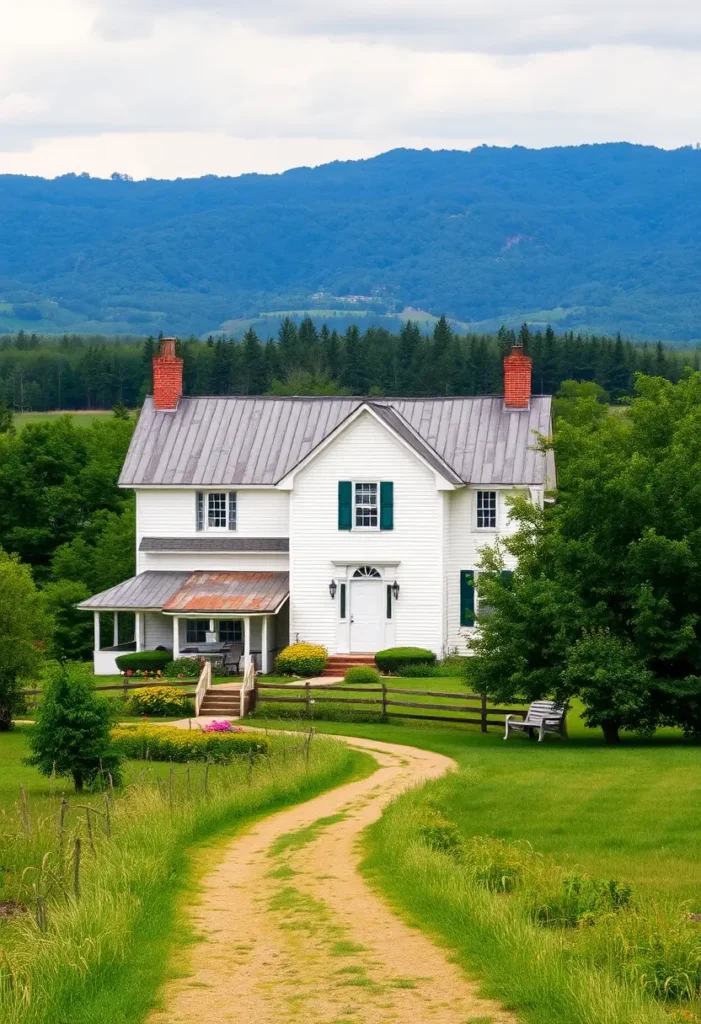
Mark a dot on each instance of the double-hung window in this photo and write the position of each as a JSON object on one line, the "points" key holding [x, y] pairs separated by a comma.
{"points": [[367, 506], [216, 510], [230, 631], [486, 510]]}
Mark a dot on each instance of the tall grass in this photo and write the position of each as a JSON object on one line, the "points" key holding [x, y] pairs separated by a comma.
{"points": [[94, 948], [486, 898]]}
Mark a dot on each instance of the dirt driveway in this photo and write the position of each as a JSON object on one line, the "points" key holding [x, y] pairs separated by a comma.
{"points": [[292, 933]]}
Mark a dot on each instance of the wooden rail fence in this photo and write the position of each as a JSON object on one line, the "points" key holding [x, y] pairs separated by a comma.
{"points": [[125, 686], [479, 713]]}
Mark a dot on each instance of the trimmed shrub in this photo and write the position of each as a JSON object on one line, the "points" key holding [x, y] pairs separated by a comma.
{"points": [[395, 658], [301, 660], [363, 674], [331, 712], [161, 743], [183, 668], [144, 661], [161, 701]]}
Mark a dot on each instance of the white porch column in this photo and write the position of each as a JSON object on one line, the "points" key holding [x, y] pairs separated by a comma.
{"points": [[246, 643], [115, 630], [264, 646], [96, 620], [176, 638], [139, 630]]}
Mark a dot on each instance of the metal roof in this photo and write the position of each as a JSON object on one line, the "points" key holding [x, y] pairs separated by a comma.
{"points": [[148, 591], [231, 592], [195, 592], [257, 441], [214, 545]]}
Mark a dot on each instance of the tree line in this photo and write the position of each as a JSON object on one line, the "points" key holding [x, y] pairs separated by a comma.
{"points": [[38, 373]]}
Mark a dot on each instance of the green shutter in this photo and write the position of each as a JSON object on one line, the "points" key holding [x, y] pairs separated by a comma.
{"points": [[387, 505], [232, 510], [506, 577], [199, 510], [345, 505], [467, 597]]}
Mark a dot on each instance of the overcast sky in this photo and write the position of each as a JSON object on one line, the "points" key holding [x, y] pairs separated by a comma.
{"points": [[169, 88]]}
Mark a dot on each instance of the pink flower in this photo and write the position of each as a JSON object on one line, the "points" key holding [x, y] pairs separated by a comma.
{"points": [[222, 727]]}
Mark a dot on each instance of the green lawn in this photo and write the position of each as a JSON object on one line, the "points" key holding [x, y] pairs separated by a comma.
{"points": [[633, 811], [81, 417]]}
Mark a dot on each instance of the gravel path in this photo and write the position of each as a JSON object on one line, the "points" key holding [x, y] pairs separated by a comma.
{"points": [[292, 932]]}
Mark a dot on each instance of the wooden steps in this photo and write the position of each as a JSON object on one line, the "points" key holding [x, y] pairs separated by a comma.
{"points": [[224, 702], [338, 664]]}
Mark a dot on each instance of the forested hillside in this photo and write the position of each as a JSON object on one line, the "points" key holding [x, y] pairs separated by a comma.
{"points": [[39, 373], [602, 238]]}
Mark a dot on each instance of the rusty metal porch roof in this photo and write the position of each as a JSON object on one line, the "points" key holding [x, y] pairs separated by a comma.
{"points": [[196, 592]]}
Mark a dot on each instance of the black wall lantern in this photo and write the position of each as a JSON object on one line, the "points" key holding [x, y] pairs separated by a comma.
{"points": [[333, 587], [395, 590]]}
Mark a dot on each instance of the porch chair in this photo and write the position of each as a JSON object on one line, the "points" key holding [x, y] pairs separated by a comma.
{"points": [[231, 659], [543, 716]]}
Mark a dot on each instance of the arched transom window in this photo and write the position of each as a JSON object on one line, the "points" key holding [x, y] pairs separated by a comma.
{"points": [[367, 572]]}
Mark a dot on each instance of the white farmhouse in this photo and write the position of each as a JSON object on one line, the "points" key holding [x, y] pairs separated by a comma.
{"points": [[350, 522]]}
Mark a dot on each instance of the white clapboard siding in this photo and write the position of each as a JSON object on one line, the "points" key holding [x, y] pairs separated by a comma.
{"points": [[464, 544], [220, 562], [367, 451], [171, 513]]}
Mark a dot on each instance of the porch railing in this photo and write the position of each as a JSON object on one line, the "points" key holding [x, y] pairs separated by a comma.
{"points": [[204, 683], [248, 686]]}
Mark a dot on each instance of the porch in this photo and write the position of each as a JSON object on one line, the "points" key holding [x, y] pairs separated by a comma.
{"points": [[200, 614]]}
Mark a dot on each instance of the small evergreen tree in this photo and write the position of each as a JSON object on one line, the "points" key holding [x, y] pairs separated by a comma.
{"points": [[72, 732]]}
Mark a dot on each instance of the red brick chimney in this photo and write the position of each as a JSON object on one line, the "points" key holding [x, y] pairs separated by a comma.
{"points": [[167, 376], [517, 379]]}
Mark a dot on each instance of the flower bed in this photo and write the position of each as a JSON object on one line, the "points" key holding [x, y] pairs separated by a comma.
{"points": [[161, 743]]}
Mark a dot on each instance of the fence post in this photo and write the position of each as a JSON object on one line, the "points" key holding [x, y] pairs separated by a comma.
{"points": [[384, 699], [76, 869], [125, 692], [308, 698], [484, 712]]}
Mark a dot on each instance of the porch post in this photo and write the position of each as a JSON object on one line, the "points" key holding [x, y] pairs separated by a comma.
{"points": [[246, 643], [176, 638], [139, 630], [96, 620], [115, 630], [264, 647]]}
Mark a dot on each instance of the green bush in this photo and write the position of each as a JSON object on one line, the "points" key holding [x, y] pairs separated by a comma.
{"points": [[164, 701], [301, 660], [144, 661], [363, 674], [162, 743], [183, 668], [581, 900], [396, 658], [441, 834]]}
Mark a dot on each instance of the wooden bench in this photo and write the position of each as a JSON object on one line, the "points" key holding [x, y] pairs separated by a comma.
{"points": [[543, 716]]}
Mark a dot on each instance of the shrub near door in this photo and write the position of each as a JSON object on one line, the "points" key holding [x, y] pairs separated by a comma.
{"points": [[395, 658]]}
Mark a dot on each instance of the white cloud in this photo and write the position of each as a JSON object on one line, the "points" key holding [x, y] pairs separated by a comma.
{"points": [[174, 87]]}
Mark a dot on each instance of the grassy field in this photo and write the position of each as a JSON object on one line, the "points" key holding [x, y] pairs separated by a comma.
{"points": [[577, 807], [103, 956], [81, 417]]}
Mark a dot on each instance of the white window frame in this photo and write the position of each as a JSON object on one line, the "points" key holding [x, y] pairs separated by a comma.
{"points": [[486, 529], [229, 496], [355, 506]]}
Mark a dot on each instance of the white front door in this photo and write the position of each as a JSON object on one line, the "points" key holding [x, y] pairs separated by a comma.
{"points": [[367, 616]]}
